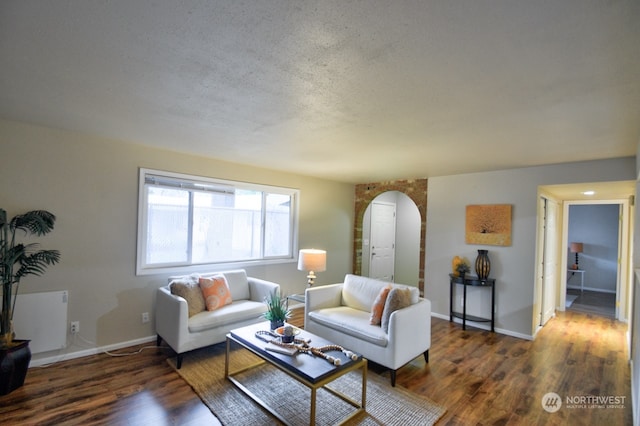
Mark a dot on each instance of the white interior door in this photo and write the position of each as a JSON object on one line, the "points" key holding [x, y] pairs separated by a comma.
{"points": [[550, 262], [383, 238]]}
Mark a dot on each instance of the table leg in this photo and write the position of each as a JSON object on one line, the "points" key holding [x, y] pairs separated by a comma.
{"points": [[364, 385], [312, 419], [451, 284], [493, 306], [226, 359], [464, 307]]}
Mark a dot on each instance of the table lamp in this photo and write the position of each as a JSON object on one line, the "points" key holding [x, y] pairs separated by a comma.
{"points": [[312, 261], [576, 248]]}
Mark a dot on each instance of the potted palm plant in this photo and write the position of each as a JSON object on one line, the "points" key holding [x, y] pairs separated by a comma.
{"points": [[277, 311], [18, 260]]}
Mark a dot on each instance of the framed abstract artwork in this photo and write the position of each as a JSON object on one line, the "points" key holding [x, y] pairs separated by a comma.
{"points": [[488, 224]]}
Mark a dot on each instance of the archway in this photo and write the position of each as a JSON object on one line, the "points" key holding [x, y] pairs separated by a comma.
{"points": [[416, 189], [405, 233]]}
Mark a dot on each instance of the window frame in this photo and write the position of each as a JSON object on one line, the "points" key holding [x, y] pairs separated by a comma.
{"points": [[142, 268]]}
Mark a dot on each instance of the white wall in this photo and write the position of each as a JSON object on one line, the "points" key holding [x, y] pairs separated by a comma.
{"points": [[634, 326], [407, 249], [513, 267], [407, 266], [91, 185], [634, 338], [596, 226]]}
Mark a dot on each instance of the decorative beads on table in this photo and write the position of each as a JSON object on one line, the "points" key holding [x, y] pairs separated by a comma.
{"points": [[302, 346]]}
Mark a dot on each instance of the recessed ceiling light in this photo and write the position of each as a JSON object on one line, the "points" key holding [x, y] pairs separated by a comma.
{"points": [[588, 192]]}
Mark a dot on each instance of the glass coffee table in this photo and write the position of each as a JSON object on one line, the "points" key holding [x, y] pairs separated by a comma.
{"points": [[312, 371]]}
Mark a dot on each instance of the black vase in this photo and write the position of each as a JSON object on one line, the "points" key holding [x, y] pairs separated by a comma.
{"points": [[483, 264], [14, 363]]}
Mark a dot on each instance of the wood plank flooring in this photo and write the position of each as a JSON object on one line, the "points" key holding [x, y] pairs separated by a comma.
{"points": [[490, 379], [482, 378]]}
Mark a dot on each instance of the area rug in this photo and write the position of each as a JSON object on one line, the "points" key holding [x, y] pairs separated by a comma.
{"points": [[203, 370], [569, 300]]}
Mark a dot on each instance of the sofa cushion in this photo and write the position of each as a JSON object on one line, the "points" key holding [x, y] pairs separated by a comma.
{"points": [[238, 311], [189, 289], [238, 284], [215, 291], [378, 305], [398, 298], [415, 293], [360, 292], [352, 322]]}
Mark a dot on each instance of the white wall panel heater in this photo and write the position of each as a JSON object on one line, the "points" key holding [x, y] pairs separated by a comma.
{"points": [[42, 318]]}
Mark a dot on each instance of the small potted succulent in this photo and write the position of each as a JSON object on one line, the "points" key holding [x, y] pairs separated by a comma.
{"points": [[277, 311], [461, 266], [288, 335]]}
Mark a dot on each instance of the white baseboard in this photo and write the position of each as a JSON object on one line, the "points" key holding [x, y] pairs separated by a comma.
{"points": [[39, 362], [597, 290], [485, 326], [437, 315]]}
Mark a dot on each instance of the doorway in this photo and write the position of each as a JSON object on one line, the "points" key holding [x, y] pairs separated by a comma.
{"points": [[620, 193], [391, 239], [594, 234]]}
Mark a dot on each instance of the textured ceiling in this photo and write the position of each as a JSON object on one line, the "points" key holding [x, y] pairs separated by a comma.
{"points": [[354, 91]]}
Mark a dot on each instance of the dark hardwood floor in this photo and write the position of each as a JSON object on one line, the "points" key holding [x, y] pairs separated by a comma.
{"points": [[491, 379], [482, 378]]}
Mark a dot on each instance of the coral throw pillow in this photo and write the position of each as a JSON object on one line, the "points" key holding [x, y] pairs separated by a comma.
{"points": [[378, 305], [215, 291], [398, 298]]}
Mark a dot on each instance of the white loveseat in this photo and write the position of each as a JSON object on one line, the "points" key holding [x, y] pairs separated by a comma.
{"points": [[341, 314], [185, 333]]}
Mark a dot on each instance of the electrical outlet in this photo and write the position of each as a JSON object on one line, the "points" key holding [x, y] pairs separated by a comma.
{"points": [[75, 327], [145, 317]]}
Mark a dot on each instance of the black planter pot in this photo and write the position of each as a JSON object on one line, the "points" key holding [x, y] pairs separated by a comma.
{"points": [[276, 324], [14, 363]]}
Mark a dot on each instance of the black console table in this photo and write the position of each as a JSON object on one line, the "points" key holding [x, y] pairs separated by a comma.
{"points": [[470, 280]]}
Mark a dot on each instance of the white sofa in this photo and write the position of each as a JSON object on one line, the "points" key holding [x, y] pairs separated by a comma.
{"points": [[185, 333], [341, 314]]}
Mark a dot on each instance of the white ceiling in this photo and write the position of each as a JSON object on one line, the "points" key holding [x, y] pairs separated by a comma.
{"points": [[594, 191], [354, 91]]}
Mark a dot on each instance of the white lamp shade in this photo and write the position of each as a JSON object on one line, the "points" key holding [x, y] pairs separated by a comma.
{"points": [[312, 260]]}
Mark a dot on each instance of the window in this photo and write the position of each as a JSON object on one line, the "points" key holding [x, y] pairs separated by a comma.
{"points": [[188, 221]]}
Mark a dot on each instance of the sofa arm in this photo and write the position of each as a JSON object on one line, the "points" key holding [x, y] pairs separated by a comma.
{"points": [[325, 296], [261, 289], [410, 329], [172, 318]]}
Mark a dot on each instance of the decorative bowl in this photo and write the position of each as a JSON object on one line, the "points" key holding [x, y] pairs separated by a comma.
{"points": [[287, 339], [280, 330]]}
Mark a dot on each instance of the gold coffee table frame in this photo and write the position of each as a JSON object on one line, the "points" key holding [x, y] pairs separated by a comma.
{"points": [[360, 363]]}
